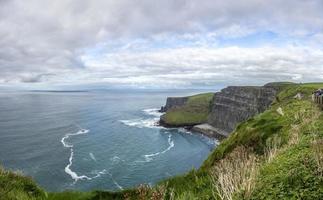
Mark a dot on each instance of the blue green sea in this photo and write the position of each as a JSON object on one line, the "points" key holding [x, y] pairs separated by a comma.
{"points": [[88, 140]]}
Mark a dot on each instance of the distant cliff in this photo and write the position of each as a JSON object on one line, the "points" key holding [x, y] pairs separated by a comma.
{"points": [[186, 111], [174, 102]]}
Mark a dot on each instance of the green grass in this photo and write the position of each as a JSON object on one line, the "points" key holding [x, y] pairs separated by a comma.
{"points": [[290, 176], [195, 111], [71, 195], [15, 186], [93, 195], [294, 171]]}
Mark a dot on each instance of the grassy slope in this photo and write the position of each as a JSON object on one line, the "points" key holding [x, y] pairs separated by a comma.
{"points": [[195, 111], [15, 186], [255, 135], [288, 151]]}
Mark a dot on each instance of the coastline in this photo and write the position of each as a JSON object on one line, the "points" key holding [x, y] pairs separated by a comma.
{"points": [[204, 129], [218, 114]]}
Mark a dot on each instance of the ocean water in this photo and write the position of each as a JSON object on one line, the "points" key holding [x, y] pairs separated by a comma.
{"points": [[95, 140]]}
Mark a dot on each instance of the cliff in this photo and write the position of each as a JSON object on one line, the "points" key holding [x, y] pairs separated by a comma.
{"points": [[227, 108], [186, 111], [174, 102], [235, 104]]}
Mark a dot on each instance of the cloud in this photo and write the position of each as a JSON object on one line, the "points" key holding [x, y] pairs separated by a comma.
{"points": [[208, 65], [144, 40]]}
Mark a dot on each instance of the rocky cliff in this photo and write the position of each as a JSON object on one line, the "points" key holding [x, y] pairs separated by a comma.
{"points": [[174, 102], [235, 104], [229, 107]]}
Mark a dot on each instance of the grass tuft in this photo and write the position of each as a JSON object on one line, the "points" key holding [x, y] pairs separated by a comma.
{"points": [[317, 148], [236, 173]]}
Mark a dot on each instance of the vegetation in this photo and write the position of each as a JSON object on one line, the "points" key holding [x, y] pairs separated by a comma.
{"points": [[195, 111], [275, 155], [13, 185]]}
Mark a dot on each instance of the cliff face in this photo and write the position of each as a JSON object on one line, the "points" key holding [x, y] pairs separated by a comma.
{"points": [[174, 102], [235, 104]]}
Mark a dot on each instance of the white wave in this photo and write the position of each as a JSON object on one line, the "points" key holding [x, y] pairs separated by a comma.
{"points": [[211, 142], [142, 123], [206, 139], [68, 169], [72, 173], [80, 132], [153, 111], [183, 130], [151, 122], [92, 156], [149, 157]]}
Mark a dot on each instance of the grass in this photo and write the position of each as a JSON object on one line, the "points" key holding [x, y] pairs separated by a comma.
{"points": [[234, 174], [317, 147], [270, 156], [71, 195], [15, 186], [291, 175], [195, 111]]}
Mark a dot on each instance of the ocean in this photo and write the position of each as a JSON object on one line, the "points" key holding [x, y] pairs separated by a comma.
{"points": [[85, 140]]}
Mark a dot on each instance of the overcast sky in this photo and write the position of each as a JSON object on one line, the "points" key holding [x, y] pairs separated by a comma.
{"points": [[159, 43]]}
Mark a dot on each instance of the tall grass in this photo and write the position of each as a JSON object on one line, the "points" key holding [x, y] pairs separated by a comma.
{"points": [[145, 192], [272, 148], [317, 147], [237, 172]]}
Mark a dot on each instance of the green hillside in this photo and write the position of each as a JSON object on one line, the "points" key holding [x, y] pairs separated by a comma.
{"points": [[275, 155], [195, 111]]}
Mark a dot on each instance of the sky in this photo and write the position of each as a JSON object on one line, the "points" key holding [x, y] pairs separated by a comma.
{"points": [[159, 43]]}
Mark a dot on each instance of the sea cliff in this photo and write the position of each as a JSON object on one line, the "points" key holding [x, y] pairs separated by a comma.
{"points": [[174, 102], [224, 111]]}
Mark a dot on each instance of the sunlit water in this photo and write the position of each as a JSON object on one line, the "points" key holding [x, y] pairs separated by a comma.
{"points": [[94, 140]]}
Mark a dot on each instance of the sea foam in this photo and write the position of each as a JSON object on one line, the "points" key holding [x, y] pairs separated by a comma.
{"points": [[151, 122], [149, 157], [152, 111], [68, 169]]}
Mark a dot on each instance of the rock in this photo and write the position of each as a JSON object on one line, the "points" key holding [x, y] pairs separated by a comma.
{"points": [[299, 96], [162, 109], [210, 131], [280, 111], [174, 102], [236, 104]]}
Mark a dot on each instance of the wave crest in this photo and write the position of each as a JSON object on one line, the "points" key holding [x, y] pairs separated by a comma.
{"points": [[151, 122], [149, 157]]}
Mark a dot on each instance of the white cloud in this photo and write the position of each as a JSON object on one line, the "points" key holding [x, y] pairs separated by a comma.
{"points": [[203, 65], [49, 41]]}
